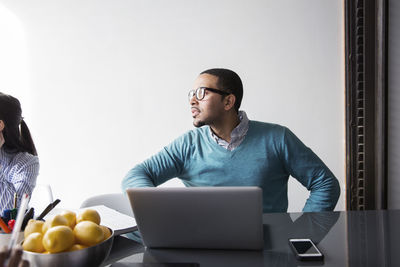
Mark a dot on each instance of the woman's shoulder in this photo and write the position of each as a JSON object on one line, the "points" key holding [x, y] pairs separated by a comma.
{"points": [[26, 156], [19, 161], [23, 159]]}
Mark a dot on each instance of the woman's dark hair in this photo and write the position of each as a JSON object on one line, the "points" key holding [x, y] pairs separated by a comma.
{"points": [[230, 82], [16, 133]]}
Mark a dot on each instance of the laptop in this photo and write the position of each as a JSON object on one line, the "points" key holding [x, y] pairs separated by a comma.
{"points": [[199, 217]]}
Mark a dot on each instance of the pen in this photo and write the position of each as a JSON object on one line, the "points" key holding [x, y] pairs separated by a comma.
{"points": [[7, 215], [48, 209], [14, 211], [27, 217], [4, 226], [15, 200], [56, 202], [18, 222]]}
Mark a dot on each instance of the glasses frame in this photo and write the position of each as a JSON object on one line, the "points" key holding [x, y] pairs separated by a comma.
{"points": [[193, 93]]}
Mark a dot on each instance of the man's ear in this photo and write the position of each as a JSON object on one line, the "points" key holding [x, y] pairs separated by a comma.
{"points": [[230, 102], [1, 125]]}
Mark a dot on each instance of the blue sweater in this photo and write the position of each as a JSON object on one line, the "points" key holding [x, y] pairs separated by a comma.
{"points": [[266, 157]]}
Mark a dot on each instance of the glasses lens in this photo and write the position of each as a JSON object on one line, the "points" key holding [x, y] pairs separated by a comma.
{"points": [[200, 93]]}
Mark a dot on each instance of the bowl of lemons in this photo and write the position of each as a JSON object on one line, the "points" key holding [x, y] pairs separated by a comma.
{"points": [[67, 239]]}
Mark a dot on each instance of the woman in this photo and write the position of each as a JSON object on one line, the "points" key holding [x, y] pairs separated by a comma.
{"points": [[19, 164]]}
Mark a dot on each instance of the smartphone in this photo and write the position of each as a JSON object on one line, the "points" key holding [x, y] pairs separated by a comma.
{"points": [[305, 249]]}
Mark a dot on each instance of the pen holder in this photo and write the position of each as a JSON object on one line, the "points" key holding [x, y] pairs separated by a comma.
{"points": [[9, 214], [5, 238]]}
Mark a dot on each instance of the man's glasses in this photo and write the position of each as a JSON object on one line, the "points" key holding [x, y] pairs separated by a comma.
{"points": [[200, 92]]}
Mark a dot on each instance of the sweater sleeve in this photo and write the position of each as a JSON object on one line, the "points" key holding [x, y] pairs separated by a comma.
{"points": [[304, 165], [22, 180], [165, 165]]}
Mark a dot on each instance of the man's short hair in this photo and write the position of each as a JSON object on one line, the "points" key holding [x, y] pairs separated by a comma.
{"points": [[228, 81]]}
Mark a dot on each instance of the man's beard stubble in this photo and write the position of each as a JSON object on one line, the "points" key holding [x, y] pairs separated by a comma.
{"points": [[198, 124]]}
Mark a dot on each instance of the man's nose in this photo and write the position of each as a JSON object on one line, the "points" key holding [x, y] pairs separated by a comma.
{"points": [[193, 100]]}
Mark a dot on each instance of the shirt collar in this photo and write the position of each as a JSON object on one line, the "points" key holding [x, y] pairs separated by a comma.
{"points": [[238, 132], [243, 126]]}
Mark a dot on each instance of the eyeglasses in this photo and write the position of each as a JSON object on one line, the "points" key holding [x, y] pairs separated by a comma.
{"points": [[200, 92]]}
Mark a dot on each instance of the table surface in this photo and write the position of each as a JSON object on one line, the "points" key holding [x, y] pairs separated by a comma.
{"points": [[346, 238]]}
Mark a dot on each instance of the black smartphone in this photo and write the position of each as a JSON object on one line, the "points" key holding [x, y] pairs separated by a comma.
{"points": [[305, 249]]}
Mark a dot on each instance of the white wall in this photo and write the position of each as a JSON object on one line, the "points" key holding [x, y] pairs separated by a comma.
{"points": [[107, 80]]}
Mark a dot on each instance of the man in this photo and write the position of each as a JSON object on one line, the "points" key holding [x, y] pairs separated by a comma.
{"points": [[231, 150]]}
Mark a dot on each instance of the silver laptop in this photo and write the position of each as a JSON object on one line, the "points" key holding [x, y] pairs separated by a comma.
{"points": [[199, 217]]}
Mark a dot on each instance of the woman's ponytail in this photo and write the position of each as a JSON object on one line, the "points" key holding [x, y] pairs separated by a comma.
{"points": [[26, 139]]}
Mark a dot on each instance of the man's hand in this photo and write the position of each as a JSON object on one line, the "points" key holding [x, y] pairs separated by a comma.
{"points": [[14, 260]]}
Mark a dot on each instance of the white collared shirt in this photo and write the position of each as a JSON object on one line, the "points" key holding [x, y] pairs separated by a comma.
{"points": [[237, 135], [18, 173]]}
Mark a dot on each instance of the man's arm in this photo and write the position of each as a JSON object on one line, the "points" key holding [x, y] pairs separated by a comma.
{"points": [[165, 165], [304, 165]]}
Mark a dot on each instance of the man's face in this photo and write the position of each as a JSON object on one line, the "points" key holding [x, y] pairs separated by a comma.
{"points": [[208, 110]]}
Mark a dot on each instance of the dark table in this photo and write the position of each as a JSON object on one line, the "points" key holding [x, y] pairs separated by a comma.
{"points": [[347, 238]]}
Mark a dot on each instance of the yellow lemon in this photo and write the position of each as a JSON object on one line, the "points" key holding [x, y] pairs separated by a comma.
{"points": [[88, 215], [45, 226], [77, 247], [106, 231], [33, 226], [55, 221], [88, 233], [58, 238], [33, 242], [70, 216]]}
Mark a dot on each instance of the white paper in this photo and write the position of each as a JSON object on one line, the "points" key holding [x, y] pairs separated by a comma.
{"points": [[117, 221], [113, 219]]}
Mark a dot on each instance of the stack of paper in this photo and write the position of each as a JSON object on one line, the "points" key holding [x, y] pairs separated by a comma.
{"points": [[117, 221]]}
